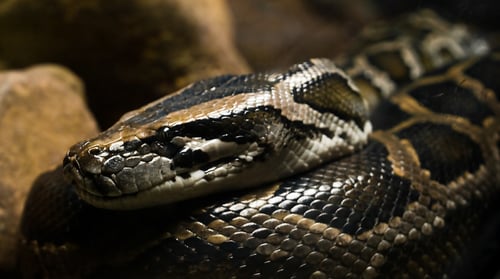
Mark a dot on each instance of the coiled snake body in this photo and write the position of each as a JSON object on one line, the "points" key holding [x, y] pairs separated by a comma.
{"points": [[403, 205]]}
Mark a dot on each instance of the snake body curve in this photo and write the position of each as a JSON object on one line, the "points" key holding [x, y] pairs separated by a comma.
{"points": [[404, 205]]}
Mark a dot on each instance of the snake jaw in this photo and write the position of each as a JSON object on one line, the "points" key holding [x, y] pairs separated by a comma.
{"points": [[103, 174], [119, 178]]}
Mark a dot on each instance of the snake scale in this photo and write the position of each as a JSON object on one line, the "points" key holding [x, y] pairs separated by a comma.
{"points": [[407, 204]]}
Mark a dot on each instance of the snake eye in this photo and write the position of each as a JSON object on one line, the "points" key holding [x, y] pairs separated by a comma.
{"points": [[184, 159], [94, 151], [187, 158]]}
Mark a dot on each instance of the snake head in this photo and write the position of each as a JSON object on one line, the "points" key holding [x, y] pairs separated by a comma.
{"points": [[221, 134], [162, 161]]}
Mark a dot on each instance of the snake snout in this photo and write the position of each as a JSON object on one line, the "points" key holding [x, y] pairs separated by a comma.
{"points": [[116, 169], [84, 166]]}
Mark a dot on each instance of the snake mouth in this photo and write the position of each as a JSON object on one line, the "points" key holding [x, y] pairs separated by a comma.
{"points": [[118, 177], [119, 181], [72, 171], [102, 191]]}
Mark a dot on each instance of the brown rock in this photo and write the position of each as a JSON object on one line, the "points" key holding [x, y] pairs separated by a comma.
{"points": [[42, 113], [127, 52]]}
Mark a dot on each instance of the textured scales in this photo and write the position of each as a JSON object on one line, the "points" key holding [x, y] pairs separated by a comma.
{"points": [[390, 56], [407, 205], [377, 212], [222, 134]]}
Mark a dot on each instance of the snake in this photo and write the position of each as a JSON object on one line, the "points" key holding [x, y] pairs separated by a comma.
{"points": [[381, 164]]}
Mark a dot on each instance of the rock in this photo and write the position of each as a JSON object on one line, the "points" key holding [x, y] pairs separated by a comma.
{"points": [[42, 113], [127, 52]]}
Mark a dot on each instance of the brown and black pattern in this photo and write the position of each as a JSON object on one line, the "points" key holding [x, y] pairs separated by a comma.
{"points": [[391, 55], [408, 205]]}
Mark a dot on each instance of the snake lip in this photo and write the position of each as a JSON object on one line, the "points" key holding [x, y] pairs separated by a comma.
{"points": [[72, 171], [73, 174]]}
